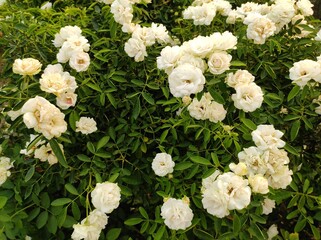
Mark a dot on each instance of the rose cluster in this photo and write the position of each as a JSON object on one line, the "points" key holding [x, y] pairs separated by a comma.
{"points": [[105, 197], [263, 20], [73, 48], [142, 37], [185, 64]]}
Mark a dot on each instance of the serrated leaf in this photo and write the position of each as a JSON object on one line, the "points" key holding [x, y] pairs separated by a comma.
{"points": [[57, 151]]}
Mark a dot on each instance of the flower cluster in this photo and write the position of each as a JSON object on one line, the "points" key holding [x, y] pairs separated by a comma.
{"points": [[5, 165], [62, 84], [142, 37], [185, 64], [224, 192], [73, 48], [177, 213], [305, 70], [263, 20], [43, 117], [266, 163], [248, 96], [207, 108], [105, 197]]}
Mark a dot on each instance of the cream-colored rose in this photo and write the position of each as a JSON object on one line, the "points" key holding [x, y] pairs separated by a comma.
{"points": [[200, 46], [66, 100], [248, 97], [79, 61], [136, 48], [201, 15], [185, 80], [26, 66], [86, 125], [5, 165], [45, 153], [268, 206], [168, 58], [65, 33], [44, 117], [259, 184], [239, 78], [163, 164], [215, 112], [239, 169], [219, 62], [106, 196], [223, 41]]}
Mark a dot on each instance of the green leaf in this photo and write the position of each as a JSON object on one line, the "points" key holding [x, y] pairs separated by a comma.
{"points": [[57, 151], [148, 97], [183, 166], [75, 210], [102, 142], [159, 234], [237, 63], [3, 201], [133, 221], [30, 173], [91, 147], [113, 234], [256, 231], [94, 86], [70, 188], [201, 234], [52, 224], [295, 129], [112, 100], [216, 96], [60, 201], [248, 123], [42, 219], [143, 212], [136, 109], [315, 231], [293, 92], [200, 160], [83, 158], [291, 149], [113, 177], [163, 136], [299, 226], [236, 224]]}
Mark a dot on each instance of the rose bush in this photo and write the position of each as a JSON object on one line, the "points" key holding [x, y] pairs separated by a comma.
{"points": [[128, 119]]}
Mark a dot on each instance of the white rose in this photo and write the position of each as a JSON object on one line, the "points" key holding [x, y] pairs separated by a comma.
{"points": [[14, 114], [200, 46], [47, 5], [260, 28], [259, 184], [254, 159], [239, 78], [66, 100], [161, 34], [185, 80], [272, 232], [268, 206], [195, 61], [136, 48], [223, 41], [219, 62], [76, 43], [106, 196], [248, 97], [97, 218], [168, 58], [5, 165], [239, 169], [33, 148], [215, 112], [281, 13], [223, 7], [281, 177], [122, 11], [267, 137], [177, 214], [163, 164], [65, 33], [26, 66], [305, 7], [145, 35], [305, 70], [87, 232], [208, 182], [197, 109], [201, 15], [86, 125], [44, 117], [79, 61], [45, 153]]}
